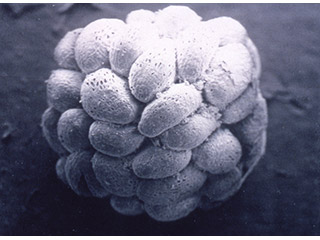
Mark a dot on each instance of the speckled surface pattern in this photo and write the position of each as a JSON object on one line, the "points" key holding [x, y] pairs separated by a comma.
{"points": [[280, 197]]}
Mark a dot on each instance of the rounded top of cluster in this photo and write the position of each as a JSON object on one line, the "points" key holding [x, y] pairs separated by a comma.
{"points": [[115, 44]]}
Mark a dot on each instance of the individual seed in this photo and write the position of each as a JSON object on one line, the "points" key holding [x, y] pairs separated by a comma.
{"points": [[64, 52], [73, 129], [167, 213], [129, 206], [192, 131], [153, 71], [94, 42], [113, 139], [219, 154], [49, 122], [173, 189], [154, 162], [115, 174], [80, 176], [63, 89], [106, 97], [169, 109], [228, 75]]}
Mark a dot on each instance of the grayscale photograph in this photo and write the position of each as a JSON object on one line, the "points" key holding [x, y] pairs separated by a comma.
{"points": [[141, 119]]}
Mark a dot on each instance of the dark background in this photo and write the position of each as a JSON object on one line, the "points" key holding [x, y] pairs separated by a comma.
{"points": [[281, 196]]}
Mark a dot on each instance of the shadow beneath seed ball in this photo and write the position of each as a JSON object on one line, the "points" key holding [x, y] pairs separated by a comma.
{"points": [[280, 197]]}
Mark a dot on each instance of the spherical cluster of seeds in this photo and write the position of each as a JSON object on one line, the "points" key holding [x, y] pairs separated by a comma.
{"points": [[161, 114]]}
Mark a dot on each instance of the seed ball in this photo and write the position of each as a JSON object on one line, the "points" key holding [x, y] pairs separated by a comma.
{"points": [[228, 30], [154, 162], [241, 107], [192, 131], [80, 176], [153, 71], [63, 89], [219, 154], [179, 101], [174, 19], [129, 206], [106, 97], [94, 43], [170, 190], [129, 44], [61, 174], [64, 51], [113, 139], [162, 114], [228, 75], [49, 122], [172, 212], [73, 129], [115, 174], [220, 187]]}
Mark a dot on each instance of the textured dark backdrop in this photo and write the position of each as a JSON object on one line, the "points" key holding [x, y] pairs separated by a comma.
{"points": [[282, 195]]}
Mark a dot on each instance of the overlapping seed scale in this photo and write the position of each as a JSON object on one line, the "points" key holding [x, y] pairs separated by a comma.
{"points": [[220, 187], [193, 130], [49, 123], [175, 104], [194, 51], [80, 176], [63, 89], [114, 139], [153, 71], [64, 53], [94, 42], [115, 174], [172, 212], [173, 19], [129, 44], [167, 191], [155, 162], [228, 75], [227, 29], [129, 206], [73, 129], [219, 154], [106, 97]]}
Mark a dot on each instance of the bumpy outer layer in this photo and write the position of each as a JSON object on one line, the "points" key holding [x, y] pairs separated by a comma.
{"points": [[162, 114]]}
